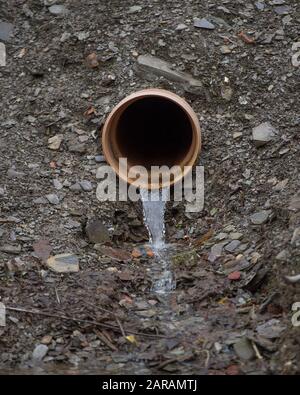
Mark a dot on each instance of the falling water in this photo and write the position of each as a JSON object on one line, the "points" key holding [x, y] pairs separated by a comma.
{"points": [[154, 204]]}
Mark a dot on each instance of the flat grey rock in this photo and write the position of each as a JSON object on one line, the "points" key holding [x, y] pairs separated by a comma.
{"points": [[203, 24], [6, 30], [39, 352], [260, 217], [263, 133], [159, 67]]}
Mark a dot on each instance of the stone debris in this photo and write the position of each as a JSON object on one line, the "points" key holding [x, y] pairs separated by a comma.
{"points": [[55, 142], [97, 232], [263, 134], [161, 68], [260, 217], [6, 30], [39, 352], [203, 24], [64, 263]]}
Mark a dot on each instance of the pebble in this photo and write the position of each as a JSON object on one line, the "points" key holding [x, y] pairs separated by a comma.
{"points": [[295, 202], [235, 235], [55, 142], [96, 232], [57, 184], [263, 133], [225, 49], [100, 158], [180, 27], [134, 9], [86, 185], [12, 173], [259, 5], [39, 352], [283, 255], [64, 263], [233, 245], [282, 10], [11, 249], [52, 198], [260, 217], [57, 9], [6, 30], [244, 349], [75, 187], [203, 24], [296, 237], [216, 251], [270, 329], [154, 65]]}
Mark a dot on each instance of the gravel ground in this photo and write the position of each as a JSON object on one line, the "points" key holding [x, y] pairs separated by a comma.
{"points": [[68, 63]]}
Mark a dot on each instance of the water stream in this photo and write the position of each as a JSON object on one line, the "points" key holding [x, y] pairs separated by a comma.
{"points": [[154, 204]]}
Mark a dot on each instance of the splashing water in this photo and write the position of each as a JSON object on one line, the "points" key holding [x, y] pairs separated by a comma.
{"points": [[154, 204]]}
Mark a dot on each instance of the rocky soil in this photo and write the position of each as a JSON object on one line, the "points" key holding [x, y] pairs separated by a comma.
{"points": [[67, 64]]}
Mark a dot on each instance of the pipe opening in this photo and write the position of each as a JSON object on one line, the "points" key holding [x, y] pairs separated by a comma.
{"points": [[154, 131]]}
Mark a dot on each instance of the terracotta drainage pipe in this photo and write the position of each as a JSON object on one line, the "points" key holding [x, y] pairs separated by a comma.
{"points": [[152, 127]]}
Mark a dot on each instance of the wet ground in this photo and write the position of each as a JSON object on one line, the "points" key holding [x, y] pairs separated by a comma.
{"points": [[231, 311]]}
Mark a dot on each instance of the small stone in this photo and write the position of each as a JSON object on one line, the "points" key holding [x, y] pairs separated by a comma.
{"points": [[134, 9], [263, 133], [100, 158], [92, 60], [96, 232], [52, 198], [260, 217], [86, 185], [12, 173], [151, 64], [77, 147], [276, 2], [271, 329], [64, 263], [281, 185], [259, 5], [282, 10], [235, 235], [57, 9], [283, 256], [203, 24], [39, 352], [234, 276], [57, 184], [233, 245], [237, 135], [11, 249], [225, 50], [55, 141], [180, 27], [46, 339], [244, 349], [82, 35], [216, 251], [2, 314], [296, 237], [6, 30], [75, 187], [295, 202]]}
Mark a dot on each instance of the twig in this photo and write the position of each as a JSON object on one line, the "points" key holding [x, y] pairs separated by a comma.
{"points": [[64, 317], [105, 340], [257, 353], [120, 326]]}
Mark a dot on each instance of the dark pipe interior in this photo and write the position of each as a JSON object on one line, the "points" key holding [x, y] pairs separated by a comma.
{"points": [[154, 131]]}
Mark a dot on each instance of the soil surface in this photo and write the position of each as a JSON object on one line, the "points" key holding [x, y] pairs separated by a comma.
{"points": [[67, 64]]}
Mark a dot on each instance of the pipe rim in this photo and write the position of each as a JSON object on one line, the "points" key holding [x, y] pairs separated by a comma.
{"points": [[114, 116]]}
